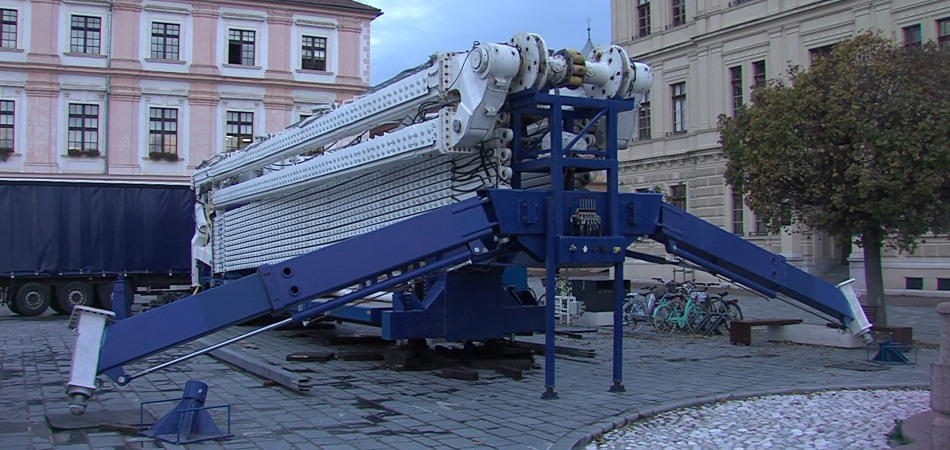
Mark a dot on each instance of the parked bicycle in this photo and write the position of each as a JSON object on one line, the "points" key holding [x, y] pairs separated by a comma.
{"points": [[686, 306], [638, 308]]}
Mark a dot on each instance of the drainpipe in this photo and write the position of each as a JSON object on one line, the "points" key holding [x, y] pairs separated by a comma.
{"points": [[105, 140]]}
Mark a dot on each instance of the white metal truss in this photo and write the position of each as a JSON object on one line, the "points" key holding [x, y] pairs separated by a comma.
{"points": [[268, 204], [278, 228], [388, 104]]}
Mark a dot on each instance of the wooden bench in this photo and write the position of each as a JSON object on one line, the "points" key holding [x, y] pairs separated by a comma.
{"points": [[740, 331], [899, 335]]}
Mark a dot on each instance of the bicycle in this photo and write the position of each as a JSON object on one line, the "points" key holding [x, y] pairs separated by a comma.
{"points": [[639, 308], [636, 309]]}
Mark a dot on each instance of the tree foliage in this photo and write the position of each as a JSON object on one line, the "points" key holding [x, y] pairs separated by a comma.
{"points": [[857, 144]]}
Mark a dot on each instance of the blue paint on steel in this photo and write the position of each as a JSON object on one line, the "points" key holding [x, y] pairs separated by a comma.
{"points": [[721, 252], [613, 225], [554, 241], [451, 260], [189, 421], [350, 262], [516, 276], [530, 228], [182, 321], [122, 298], [891, 353]]}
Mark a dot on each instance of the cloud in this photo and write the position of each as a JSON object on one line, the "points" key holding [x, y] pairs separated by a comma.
{"points": [[411, 30]]}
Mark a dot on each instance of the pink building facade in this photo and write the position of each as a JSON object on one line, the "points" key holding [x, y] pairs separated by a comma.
{"points": [[147, 90]]}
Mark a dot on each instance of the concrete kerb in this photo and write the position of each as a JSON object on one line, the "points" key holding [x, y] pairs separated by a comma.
{"points": [[577, 439]]}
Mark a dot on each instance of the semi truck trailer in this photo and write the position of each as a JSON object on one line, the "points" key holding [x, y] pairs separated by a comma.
{"points": [[64, 242]]}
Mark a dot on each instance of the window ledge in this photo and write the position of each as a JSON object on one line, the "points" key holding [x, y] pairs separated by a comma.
{"points": [[674, 134], [83, 157], [735, 3], [11, 157], [165, 61], [314, 72], [674, 25], [146, 158], [86, 55], [11, 50], [241, 66]]}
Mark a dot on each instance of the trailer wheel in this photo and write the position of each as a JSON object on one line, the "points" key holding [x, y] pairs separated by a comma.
{"points": [[104, 300], [72, 294], [32, 299]]}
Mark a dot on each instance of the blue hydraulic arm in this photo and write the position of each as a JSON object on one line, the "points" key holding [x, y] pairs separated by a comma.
{"points": [[722, 253], [438, 239]]}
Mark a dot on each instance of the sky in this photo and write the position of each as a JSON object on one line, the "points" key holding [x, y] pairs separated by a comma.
{"points": [[411, 30]]}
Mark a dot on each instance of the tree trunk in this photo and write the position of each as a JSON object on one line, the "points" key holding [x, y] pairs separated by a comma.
{"points": [[873, 276]]}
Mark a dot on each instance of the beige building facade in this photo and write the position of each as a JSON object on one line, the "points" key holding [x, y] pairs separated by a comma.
{"points": [[707, 55]]}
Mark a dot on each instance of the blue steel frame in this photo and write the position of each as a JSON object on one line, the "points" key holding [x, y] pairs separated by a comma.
{"points": [[508, 226], [562, 161]]}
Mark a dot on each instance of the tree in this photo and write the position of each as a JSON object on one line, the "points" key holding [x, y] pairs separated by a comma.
{"points": [[857, 147]]}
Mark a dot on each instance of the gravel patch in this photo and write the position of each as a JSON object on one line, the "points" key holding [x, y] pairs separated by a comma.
{"points": [[858, 419]]}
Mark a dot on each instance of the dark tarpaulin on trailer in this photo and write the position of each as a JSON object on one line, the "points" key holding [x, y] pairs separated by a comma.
{"points": [[83, 228]]}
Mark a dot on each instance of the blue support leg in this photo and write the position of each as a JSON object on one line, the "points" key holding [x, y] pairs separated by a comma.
{"points": [[550, 274], [122, 299], [189, 421], [617, 385]]}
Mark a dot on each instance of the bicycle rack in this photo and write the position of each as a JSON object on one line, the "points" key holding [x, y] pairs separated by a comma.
{"points": [[708, 328]]}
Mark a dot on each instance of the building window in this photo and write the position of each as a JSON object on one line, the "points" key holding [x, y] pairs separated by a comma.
{"points": [[8, 28], [314, 53], [738, 214], [758, 73], [761, 227], [241, 47], [943, 284], [643, 18], [943, 33], [644, 125], [913, 283], [678, 196], [163, 131], [735, 74], [679, 107], [7, 128], [913, 37], [85, 34], [679, 12], [240, 130], [83, 129], [165, 39], [820, 52]]}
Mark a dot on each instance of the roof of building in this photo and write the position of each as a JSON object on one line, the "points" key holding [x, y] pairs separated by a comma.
{"points": [[352, 5], [589, 47]]}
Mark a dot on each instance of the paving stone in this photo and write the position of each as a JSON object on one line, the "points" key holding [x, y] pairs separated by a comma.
{"points": [[657, 370]]}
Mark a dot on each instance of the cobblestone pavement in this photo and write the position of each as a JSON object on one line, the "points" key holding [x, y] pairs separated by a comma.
{"points": [[358, 405], [833, 420]]}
